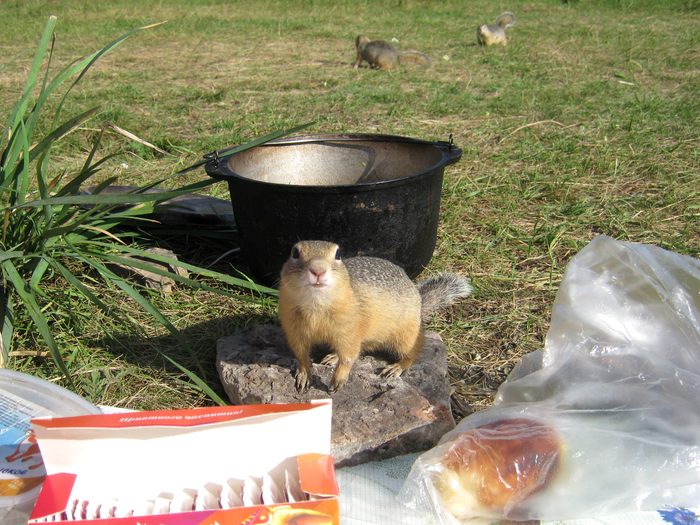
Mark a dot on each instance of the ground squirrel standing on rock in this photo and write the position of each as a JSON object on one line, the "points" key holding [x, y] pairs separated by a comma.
{"points": [[495, 34], [380, 54], [362, 303]]}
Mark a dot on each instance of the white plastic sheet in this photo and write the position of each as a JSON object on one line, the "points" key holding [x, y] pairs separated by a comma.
{"points": [[615, 390]]}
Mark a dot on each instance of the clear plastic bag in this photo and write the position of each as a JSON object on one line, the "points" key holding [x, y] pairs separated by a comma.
{"points": [[605, 419]]}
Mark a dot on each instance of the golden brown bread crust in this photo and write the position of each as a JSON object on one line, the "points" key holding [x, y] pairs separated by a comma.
{"points": [[493, 469]]}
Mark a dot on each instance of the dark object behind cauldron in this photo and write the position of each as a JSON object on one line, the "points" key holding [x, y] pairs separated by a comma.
{"points": [[376, 195]]}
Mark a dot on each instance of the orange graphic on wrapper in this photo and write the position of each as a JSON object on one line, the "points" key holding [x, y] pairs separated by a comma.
{"points": [[289, 516], [31, 453], [23, 454], [277, 515]]}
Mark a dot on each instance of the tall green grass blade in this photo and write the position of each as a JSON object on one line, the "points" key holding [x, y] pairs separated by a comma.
{"points": [[4, 256], [7, 323], [21, 173], [33, 117], [22, 180], [35, 312], [106, 49], [83, 66], [69, 219], [158, 270], [125, 198], [74, 185], [196, 380], [38, 274], [47, 90], [18, 180], [20, 108], [228, 279], [110, 277], [62, 130], [74, 228], [88, 166]]}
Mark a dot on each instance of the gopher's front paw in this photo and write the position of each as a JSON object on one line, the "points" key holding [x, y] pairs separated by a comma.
{"points": [[390, 371], [302, 382], [337, 384]]}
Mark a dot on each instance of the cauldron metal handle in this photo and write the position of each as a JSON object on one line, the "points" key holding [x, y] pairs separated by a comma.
{"points": [[453, 153]]}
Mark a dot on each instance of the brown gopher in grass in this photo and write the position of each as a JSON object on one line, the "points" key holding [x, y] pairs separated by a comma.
{"points": [[380, 54], [495, 34]]}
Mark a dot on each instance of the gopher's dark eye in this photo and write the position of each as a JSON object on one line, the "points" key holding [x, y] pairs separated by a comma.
{"points": [[295, 253], [337, 254]]}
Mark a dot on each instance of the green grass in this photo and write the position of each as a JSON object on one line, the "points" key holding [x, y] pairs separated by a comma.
{"points": [[587, 123]]}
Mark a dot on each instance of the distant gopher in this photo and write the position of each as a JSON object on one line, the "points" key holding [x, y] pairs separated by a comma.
{"points": [[380, 54], [496, 33]]}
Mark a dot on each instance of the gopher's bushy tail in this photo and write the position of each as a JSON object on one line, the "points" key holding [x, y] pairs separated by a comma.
{"points": [[441, 290], [415, 57], [505, 19]]}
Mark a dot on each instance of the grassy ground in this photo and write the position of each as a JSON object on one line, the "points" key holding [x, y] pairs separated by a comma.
{"points": [[587, 123]]}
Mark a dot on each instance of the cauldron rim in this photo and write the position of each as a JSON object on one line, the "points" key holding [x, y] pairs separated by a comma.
{"points": [[217, 168]]}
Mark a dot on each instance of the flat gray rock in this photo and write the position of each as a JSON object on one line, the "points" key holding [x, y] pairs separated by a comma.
{"points": [[373, 418]]}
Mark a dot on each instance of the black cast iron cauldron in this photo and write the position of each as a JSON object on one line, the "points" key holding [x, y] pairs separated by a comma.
{"points": [[375, 195]]}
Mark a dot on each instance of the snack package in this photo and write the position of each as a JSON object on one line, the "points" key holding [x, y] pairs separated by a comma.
{"points": [[230, 465], [604, 419]]}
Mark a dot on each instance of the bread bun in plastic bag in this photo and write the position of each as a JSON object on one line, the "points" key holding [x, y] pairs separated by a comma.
{"points": [[605, 419]]}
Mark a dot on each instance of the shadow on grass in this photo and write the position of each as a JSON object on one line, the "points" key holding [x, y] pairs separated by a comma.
{"points": [[136, 372], [157, 381]]}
